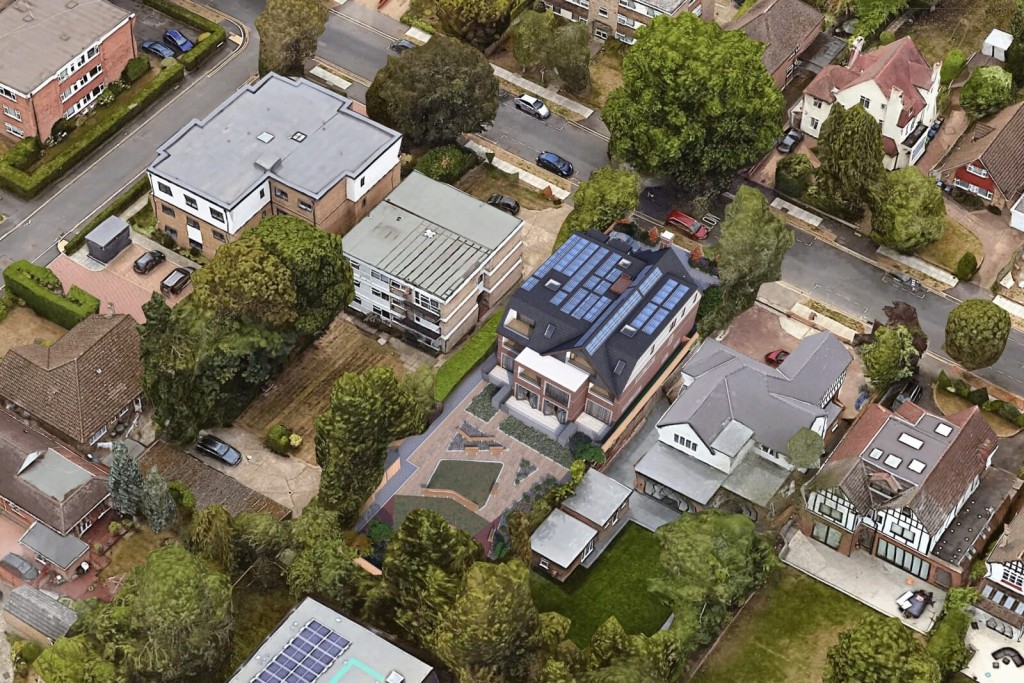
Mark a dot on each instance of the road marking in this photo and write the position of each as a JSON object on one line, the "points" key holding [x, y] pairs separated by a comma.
{"points": [[345, 73], [360, 24], [593, 132]]}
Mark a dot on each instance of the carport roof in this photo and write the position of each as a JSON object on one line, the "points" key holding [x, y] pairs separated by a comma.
{"points": [[62, 551]]}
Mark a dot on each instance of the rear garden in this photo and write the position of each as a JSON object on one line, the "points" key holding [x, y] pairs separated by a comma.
{"points": [[22, 325], [958, 25], [468, 478], [485, 180]]}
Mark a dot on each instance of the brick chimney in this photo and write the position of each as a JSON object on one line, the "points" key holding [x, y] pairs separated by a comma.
{"points": [[855, 50]]}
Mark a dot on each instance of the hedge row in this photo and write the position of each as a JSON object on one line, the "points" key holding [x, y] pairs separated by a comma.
{"points": [[42, 291], [202, 49], [468, 357], [979, 397], [116, 206], [28, 185]]}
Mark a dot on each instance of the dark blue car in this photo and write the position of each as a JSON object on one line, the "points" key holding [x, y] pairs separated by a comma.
{"points": [[550, 161], [158, 49], [175, 39]]}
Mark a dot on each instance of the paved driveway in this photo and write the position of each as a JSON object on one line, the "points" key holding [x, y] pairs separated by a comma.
{"points": [[996, 235]]}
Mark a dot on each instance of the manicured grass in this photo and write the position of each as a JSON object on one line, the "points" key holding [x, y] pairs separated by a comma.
{"points": [[954, 243], [957, 24], [783, 634], [471, 479], [485, 180], [615, 586], [258, 611], [950, 403], [457, 515], [132, 550], [470, 354]]}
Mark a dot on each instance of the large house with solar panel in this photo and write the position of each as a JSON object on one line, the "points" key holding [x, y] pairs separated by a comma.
{"points": [[915, 490], [589, 329]]}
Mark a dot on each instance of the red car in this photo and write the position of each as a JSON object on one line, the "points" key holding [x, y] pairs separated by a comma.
{"points": [[691, 226], [776, 357]]}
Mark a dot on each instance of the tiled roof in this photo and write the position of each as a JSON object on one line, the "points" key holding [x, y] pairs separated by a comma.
{"points": [[78, 384], [998, 144], [38, 610], [781, 26], [1010, 546]]}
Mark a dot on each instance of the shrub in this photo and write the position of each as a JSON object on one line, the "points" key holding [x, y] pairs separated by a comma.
{"points": [[184, 499], [481, 405], [578, 441], [994, 210], [952, 65], [279, 439], [294, 440], [205, 46], [793, 175], [63, 127], [886, 37], [966, 266], [106, 98], [136, 190], [531, 438], [591, 453], [447, 164], [472, 353], [23, 154], [42, 291], [135, 69], [946, 642]]}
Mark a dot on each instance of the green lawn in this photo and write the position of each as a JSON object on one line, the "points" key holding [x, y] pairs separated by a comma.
{"points": [[615, 586], [470, 479], [457, 515], [956, 240], [132, 550], [961, 24], [783, 633]]}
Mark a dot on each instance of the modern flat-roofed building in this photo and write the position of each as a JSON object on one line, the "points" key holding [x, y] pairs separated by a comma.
{"points": [[276, 147], [431, 260], [56, 57]]}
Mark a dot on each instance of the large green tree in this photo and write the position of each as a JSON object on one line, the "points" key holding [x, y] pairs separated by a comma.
{"points": [[127, 488], [890, 357], [988, 90], [477, 22], [211, 536], [157, 503], [570, 56], [608, 195], [850, 152], [531, 37], [323, 565], [76, 660], [288, 31], [696, 103], [805, 448], [879, 650], [259, 541], [435, 93], [976, 333], [1015, 54], [873, 14], [907, 211]]}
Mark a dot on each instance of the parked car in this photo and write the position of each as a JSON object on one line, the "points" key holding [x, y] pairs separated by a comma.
{"points": [[18, 567], [506, 204], [689, 225], [934, 130], [149, 261], [550, 161], [790, 141], [399, 47], [776, 357], [156, 49], [177, 40], [176, 281], [909, 392], [913, 603], [218, 449], [532, 106]]}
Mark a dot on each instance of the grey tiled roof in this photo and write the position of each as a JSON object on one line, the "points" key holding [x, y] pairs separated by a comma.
{"points": [[40, 611], [779, 25]]}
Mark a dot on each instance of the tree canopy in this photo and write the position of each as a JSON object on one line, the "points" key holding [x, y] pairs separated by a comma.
{"points": [[907, 211], [988, 90], [850, 152], [976, 333], [127, 489], [872, 14], [157, 503], [477, 22], [211, 536], [879, 650], [288, 31], [805, 448], [323, 565], [1015, 53], [531, 37], [539, 42], [696, 103], [435, 93], [890, 358], [608, 195]]}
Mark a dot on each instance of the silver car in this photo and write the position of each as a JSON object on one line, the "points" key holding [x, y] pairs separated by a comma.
{"points": [[532, 106]]}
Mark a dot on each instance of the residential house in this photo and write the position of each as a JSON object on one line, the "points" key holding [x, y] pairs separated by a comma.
{"points": [[723, 442], [31, 614], [988, 162], [581, 527], [1002, 589], [914, 489], [893, 83], [315, 644], [276, 147], [58, 56], [620, 19], [84, 386], [786, 28], [589, 329], [430, 260]]}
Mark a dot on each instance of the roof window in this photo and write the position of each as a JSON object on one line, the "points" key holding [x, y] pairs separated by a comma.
{"points": [[916, 466], [913, 442], [265, 137], [553, 284], [629, 331], [298, 136], [550, 330], [893, 461], [875, 453], [943, 429], [625, 263], [619, 367]]}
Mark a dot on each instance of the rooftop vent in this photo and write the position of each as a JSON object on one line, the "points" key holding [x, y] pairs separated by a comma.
{"points": [[553, 284], [71, 4], [893, 461], [913, 442], [29, 459], [65, 37], [943, 429], [429, 233], [916, 466], [298, 136], [264, 137], [394, 677], [875, 453], [625, 263], [629, 331]]}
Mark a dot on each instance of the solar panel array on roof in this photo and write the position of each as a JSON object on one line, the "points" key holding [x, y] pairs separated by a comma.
{"points": [[612, 324], [305, 657], [661, 306]]}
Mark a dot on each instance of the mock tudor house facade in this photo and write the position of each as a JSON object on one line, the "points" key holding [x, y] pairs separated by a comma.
{"points": [[913, 489], [1002, 589], [620, 19], [431, 260], [589, 329], [893, 83], [786, 28], [276, 147], [722, 443], [58, 56]]}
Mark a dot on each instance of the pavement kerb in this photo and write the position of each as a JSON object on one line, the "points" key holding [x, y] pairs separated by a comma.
{"points": [[546, 93], [475, 144]]}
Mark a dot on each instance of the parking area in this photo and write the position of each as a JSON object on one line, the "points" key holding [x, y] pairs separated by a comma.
{"points": [[151, 24], [657, 201], [10, 532]]}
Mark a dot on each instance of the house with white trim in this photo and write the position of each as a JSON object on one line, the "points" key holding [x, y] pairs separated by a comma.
{"points": [[1002, 589]]}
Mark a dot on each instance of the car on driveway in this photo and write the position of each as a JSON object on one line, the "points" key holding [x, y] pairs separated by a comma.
{"points": [[691, 226], [506, 204], [399, 47], [790, 141], [210, 445], [776, 357], [177, 40], [18, 567], [934, 130], [149, 261], [550, 161], [176, 281], [532, 106], [156, 49]]}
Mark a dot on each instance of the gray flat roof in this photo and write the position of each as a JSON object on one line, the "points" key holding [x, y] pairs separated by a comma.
{"points": [[55, 475], [694, 479], [62, 551], [561, 538], [43, 613], [106, 231], [755, 479], [597, 497], [429, 235], [367, 658], [38, 37], [223, 158]]}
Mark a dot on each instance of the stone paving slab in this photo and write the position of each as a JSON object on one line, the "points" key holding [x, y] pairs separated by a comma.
{"points": [[921, 266]]}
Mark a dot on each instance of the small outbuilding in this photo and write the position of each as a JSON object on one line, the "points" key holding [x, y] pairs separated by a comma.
{"points": [[996, 45], [108, 239], [34, 615]]}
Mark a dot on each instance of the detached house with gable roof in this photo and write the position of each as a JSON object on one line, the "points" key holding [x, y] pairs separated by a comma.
{"points": [[913, 489], [786, 28], [1002, 589], [893, 83]]}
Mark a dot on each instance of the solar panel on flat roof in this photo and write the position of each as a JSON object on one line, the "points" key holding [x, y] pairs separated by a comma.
{"points": [[529, 284], [664, 291], [307, 655], [644, 315], [560, 297], [587, 304], [609, 261], [597, 309], [677, 296], [656, 320], [650, 280]]}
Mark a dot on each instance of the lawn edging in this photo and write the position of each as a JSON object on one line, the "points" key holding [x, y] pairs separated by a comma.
{"points": [[473, 352], [116, 206], [203, 49]]}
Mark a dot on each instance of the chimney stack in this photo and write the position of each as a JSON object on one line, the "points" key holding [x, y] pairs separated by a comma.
{"points": [[855, 50], [666, 239]]}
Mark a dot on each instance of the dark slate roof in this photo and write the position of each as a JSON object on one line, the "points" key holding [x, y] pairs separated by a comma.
{"points": [[588, 292], [40, 611], [781, 26]]}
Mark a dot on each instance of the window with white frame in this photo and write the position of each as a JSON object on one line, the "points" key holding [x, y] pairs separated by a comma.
{"points": [[543, 564], [8, 93], [602, 35], [424, 301], [599, 411], [904, 532], [816, 103], [13, 113], [826, 509], [602, 11], [977, 170], [1013, 576], [815, 123], [14, 130], [164, 188], [865, 102]]}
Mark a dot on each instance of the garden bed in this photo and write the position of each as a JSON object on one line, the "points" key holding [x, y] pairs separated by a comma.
{"points": [[841, 318], [473, 480], [470, 354], [531, 438], [481, 405], [485, 180], [453, 511]]}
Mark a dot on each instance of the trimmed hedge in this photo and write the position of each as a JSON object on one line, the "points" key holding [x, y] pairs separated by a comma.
{"points": [[116, 206], [967, 266], [28, 185], [979, 397], [447, 164], [24, 153], [203, 48], [42, 291], [472, 353], [136, 68]]}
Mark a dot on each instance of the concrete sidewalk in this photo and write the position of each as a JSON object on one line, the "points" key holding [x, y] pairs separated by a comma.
{"points": [[541, 91], [524, 175]]}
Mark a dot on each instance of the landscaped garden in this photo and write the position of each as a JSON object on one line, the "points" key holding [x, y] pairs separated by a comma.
{"points": [[456, 514], [470, 479], [615, 586], [528, 436], [947, 251], [481, 406]]}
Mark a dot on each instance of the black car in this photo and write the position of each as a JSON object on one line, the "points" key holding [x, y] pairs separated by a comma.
{"points": [[156, 49], [149, 261], [550, 161], [19, 566], [215, 448], [506, 204], [176, 281], [399, 47]]}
